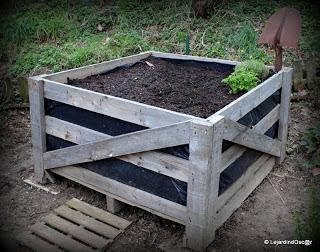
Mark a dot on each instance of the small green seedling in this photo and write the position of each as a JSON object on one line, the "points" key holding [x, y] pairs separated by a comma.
{"points": [[246, 76]]}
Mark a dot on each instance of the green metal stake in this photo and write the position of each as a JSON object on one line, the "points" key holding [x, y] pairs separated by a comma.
{"points": [[187, 51]]}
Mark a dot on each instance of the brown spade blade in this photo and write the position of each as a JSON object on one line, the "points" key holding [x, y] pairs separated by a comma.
{"points": [[291, 29], [282, 28]]}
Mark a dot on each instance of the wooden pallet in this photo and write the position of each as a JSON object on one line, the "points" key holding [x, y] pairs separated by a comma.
{"points": [[75, 226]]}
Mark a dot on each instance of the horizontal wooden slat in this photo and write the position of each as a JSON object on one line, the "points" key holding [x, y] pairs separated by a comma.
{"points": [[76, 231], [245, 103], [235, 151], [98, 214], [36, 243], [130, 111], [90, 223], [83, 72], [240, 134], [125, 193], [58, 238], [159, 162], [240, 182], [195, 58], [242, 189], [140, 141]]}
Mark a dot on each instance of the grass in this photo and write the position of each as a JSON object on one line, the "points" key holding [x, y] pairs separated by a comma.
{"points": [[49, 37], [310, 139], [310, 229]]}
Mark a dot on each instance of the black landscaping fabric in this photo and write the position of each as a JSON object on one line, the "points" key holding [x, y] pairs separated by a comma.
{"points": [[144, 179]]}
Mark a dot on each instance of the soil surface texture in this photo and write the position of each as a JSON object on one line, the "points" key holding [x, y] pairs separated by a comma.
{"points": [[188, 87]]}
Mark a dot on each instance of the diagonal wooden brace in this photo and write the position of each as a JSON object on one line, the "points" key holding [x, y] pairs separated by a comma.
{"points": [[158, 138], [243, 135]]}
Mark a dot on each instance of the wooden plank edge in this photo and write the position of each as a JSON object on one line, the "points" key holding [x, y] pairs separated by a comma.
{"points": [[172, 211], [57, 237], [99, 214], [98, 68], [41, 187], [78, 232], [243, 135], [235, 151], [29, 240], [242, 194], [178, 167], [120, 108], [190, 57], [284, 111], [234, 188], [158, 138], [245, 103]]}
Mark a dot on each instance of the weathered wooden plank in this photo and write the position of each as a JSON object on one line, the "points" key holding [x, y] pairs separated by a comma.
{"points": [[114, 206], [83, 72], [159, 162], [248, 186], [235, 151], [205, 150], [130, 111], [39, 186], [245, 103], [195, 58], [157, 138], [90, 223], [37, 244], [163, 163], [125, 193], [227, 195], [243, 135], [98, 214], [212, 194], [37, 126], [58, 238], [284, 111], [77, 232]]}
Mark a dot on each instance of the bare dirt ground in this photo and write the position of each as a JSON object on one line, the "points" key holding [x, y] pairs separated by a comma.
{"points": [[266, 214]]}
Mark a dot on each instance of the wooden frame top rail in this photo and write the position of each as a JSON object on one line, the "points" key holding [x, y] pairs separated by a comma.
{"points": [[157, 138], [194, 58], [130, 111], [85, 71], [245, 103]]}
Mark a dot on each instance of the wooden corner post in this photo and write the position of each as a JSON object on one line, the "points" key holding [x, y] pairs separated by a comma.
{"points": [[38, 131], [203, 184], [284, 111]]}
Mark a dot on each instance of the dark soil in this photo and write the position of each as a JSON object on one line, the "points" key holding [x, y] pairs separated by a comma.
{"points": [[183, 86]]}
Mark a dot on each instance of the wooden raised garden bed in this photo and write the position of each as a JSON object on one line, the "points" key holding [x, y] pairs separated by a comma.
{"points": [[131, 151]]}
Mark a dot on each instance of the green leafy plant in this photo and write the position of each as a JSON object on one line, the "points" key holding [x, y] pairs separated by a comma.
{"points": [[241, 81], [246, 76], [311, 141], [254, 66]]}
